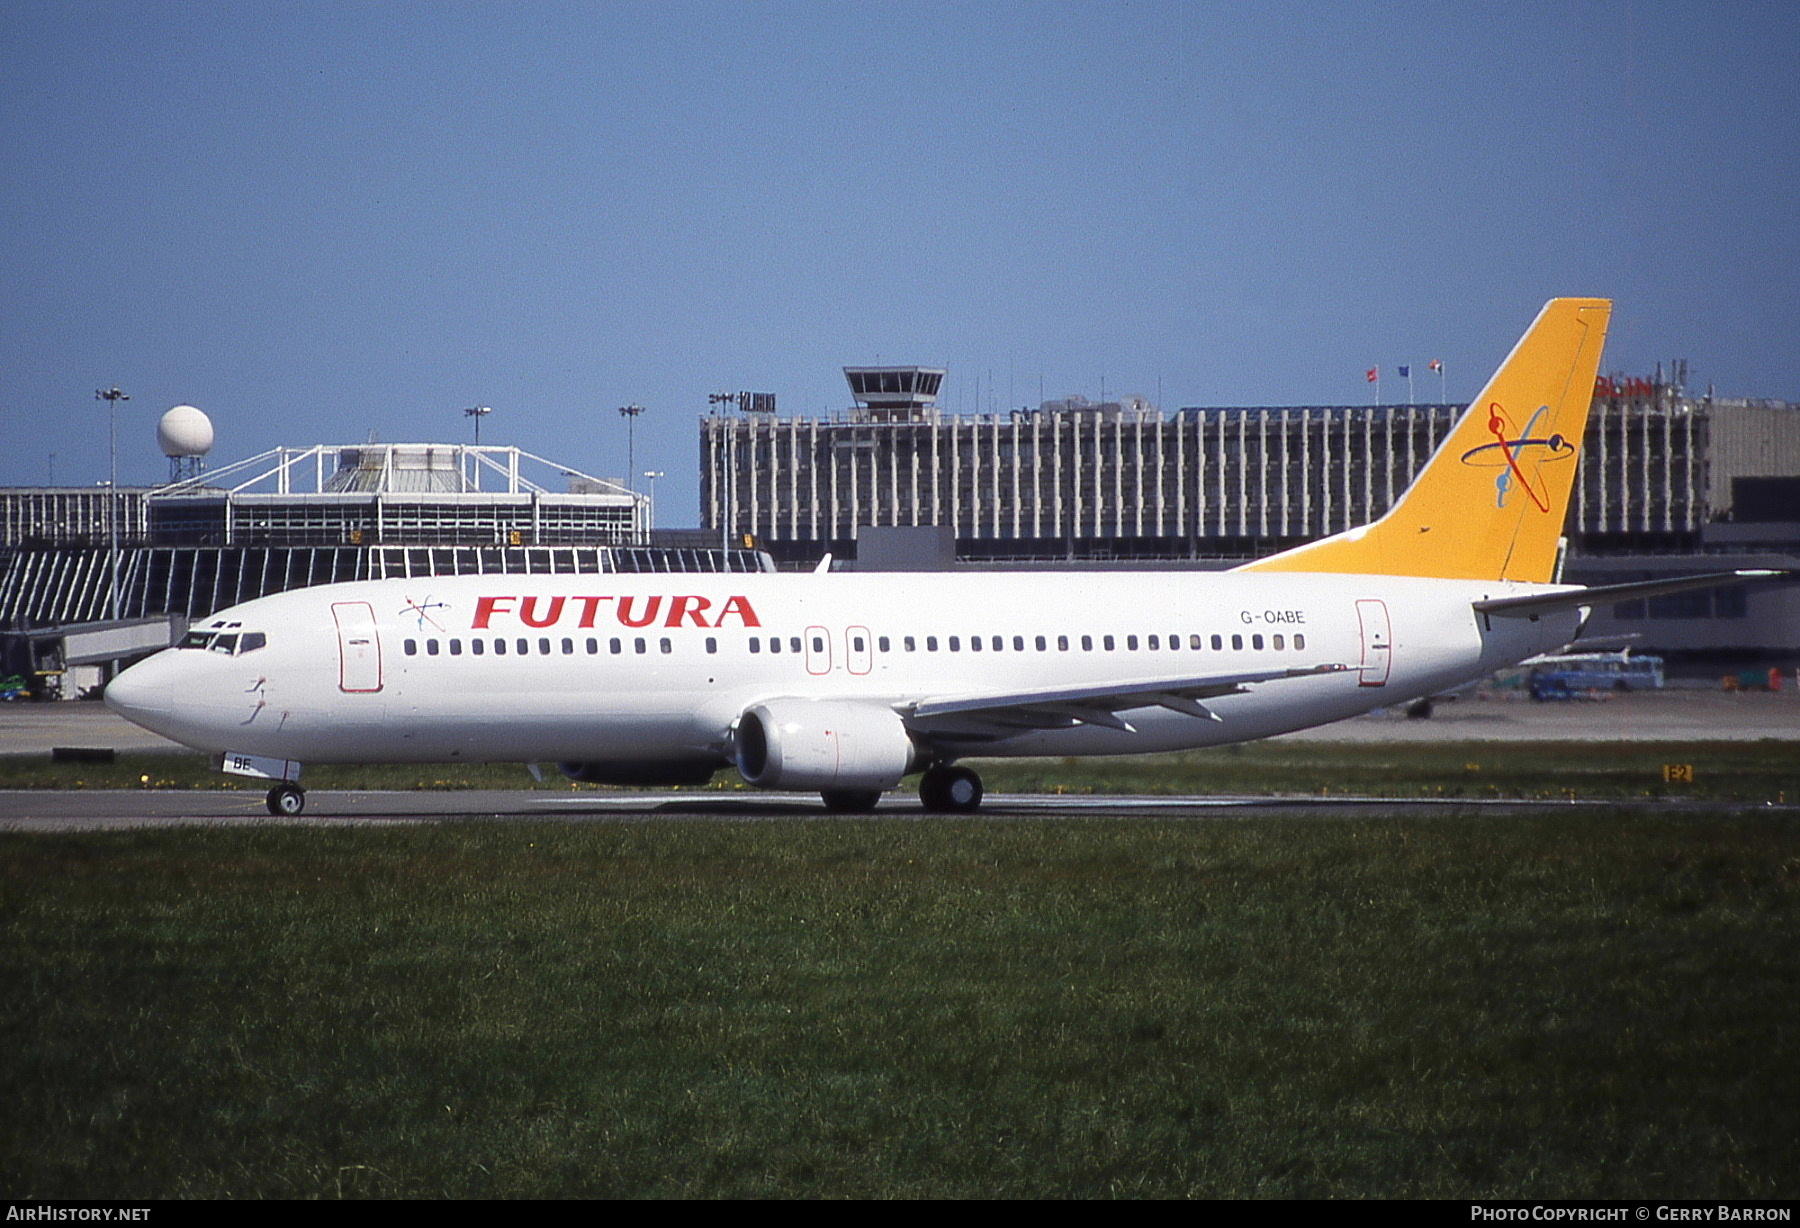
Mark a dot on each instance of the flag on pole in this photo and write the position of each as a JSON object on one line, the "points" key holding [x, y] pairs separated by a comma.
{"points": [[1370, 376], [1437, 364], [1405, 372]]}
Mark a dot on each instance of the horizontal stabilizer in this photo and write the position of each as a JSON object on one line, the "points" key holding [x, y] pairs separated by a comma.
{"points": [[1544, 603]]}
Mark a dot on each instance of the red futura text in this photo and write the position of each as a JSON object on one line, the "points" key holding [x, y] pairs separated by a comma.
{"points": [[628, 611]]}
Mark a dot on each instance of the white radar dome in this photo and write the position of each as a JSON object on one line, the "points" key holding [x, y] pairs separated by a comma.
{"points": [[185, 431]]}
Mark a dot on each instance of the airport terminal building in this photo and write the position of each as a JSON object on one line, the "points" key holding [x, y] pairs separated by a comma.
{"points": [[1669, 484], [87, 579]]}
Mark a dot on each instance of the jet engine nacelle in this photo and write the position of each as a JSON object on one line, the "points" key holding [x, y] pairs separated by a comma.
{"points": [[659, 772], [823, 744]]}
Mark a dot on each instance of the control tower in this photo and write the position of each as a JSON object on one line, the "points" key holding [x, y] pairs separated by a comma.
{"points": [[895, 394]]}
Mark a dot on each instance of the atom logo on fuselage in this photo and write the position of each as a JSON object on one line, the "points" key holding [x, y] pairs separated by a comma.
{"points": [[1519, 455], [422, 609]]}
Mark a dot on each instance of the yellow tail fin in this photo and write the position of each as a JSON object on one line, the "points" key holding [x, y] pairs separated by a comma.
{"points": [[1491, 502]]}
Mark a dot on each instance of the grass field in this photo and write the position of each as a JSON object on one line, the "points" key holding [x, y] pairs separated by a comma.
{"points": [[1598, 1004]]}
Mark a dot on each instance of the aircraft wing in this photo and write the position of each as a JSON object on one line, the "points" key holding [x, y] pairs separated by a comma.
{"points": [[985, 717], [1543, 603]]}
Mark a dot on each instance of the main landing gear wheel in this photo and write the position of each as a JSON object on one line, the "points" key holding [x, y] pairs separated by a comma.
{"points": [[851, 801], [286, 801], [950, 790]]}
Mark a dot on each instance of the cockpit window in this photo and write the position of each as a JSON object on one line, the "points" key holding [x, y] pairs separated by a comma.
{"points": [[231, 644]]}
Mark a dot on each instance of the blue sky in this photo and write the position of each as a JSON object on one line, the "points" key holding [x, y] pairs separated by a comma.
{"points": [[318, 220]]}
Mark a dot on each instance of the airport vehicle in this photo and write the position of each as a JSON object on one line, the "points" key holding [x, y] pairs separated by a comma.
{"points": [[843, 684], [1565, 675]]}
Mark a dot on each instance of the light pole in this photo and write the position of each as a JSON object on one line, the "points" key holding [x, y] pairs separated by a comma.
{"points": [[653, 474], [112, 397], [724, 492], [478, 413], [630, 414]]}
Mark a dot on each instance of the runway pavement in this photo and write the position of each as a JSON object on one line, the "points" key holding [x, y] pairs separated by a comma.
{"points": [[1673, 716], [44, 812]]}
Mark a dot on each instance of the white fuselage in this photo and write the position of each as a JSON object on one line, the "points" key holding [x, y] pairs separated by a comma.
{"points": [[510, 668]]}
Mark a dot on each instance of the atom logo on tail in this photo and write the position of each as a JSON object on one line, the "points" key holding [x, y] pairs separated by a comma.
{"points": [[1515, 452]]}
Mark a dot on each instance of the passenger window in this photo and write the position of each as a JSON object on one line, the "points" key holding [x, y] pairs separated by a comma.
{"points": [[568, 648], [755, 645], [881, 643], [712, 645], [794, 644], [456, 648], [593, 647], [641, 645], [410, 647], [1237, 643], [1256, 642], [499, 648], [431, 648], [856, 643], [1217, 643], [1062, 643], [974, 643], [774, 643], [1299, 641], [544, 646], [1107, 642], [524, 647], [1087, 643], [1279, 643], [909, 644], [955, 644], [1131, 642], [931, 643], [617, 647], [478, 646], [1152, 644], [1042, 644], [666, 646], [1194, 643]]}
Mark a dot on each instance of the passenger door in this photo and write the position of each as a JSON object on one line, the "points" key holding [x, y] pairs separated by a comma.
{"points": [[1377, 642], [359, 647]]}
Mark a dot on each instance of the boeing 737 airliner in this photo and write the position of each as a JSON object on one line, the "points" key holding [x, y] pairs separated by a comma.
{"points": [[844, 684]]}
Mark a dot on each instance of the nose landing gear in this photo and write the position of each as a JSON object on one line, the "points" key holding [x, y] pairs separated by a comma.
{"points": [[286, 800]]}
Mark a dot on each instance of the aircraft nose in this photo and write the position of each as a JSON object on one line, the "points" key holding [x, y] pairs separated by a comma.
{"points": [[142, 693]]}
